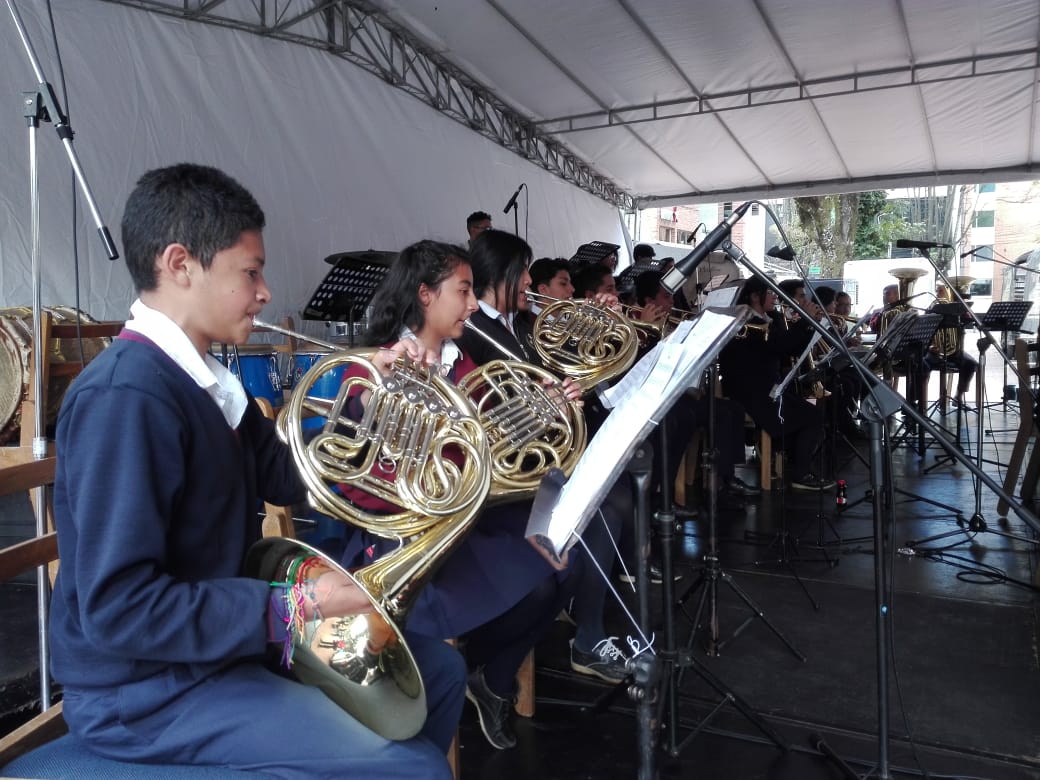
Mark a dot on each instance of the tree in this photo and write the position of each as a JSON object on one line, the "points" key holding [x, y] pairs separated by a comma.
{"points": [[828, 224]]}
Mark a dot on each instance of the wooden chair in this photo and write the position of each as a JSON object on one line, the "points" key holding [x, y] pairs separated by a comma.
{"points": [[770, 463], [1027, 356], [43, 747]]}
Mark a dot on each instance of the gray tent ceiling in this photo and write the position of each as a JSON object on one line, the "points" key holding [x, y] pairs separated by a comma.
{"points": [[677, 101], [710, 101]]}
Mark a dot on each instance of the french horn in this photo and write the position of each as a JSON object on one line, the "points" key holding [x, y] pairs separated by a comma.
{"points": [[418, 427], [437, 452]]}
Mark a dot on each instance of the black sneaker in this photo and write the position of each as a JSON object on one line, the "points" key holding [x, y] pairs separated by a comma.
{"points": [[741, 488], [812, 482], [492, 710], [605, 661]]}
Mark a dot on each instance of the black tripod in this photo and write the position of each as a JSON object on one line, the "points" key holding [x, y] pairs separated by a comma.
{"points": [[711, 573], [977, 523], [675, 662], [827, 455], [784, 543]]}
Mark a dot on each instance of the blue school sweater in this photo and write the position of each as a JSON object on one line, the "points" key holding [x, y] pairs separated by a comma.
{"points": [[155, 502]]}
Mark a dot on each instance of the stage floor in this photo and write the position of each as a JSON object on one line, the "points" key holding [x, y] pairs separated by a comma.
{"points": [[964, 681]]}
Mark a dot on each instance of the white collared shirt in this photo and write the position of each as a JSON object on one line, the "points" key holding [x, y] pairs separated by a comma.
{"points": [[210, 374], [495, 314], [450, 352]]}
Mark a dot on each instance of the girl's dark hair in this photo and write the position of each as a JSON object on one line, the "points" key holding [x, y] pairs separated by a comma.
{"points": [[396, 301], [200, 207], [751, 286], [497, 257]]}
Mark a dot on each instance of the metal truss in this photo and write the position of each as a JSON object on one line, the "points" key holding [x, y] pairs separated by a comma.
{"points": [[357, 32], [795, 91]]}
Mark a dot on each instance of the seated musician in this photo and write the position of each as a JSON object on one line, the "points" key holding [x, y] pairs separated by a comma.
{"points": [[497, 591], [691, 413], [946, 352], [550, 277], [497, 258], [157, 637], [845, 385], [843, 310], [751, 367]]}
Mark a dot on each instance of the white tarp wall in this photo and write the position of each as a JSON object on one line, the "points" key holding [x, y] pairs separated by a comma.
{"points": [[339, 160]]}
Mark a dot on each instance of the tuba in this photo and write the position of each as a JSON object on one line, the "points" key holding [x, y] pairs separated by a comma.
{"points": [[949, 340], [907, 277]]}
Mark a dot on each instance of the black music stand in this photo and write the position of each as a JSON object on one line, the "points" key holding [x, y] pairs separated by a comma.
{"points": [[592, 252], [628, 276], [347, 288], [909, 346], [1005, 316], [626, 280]]}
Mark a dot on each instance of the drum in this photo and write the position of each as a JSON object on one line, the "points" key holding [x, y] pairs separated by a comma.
{"points": [[18, 337], [257, 368], [326, 387], [15, 350]]}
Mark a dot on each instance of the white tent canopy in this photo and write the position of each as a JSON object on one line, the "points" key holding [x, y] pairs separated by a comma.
{"points": [[686, 102], [669, 101]]}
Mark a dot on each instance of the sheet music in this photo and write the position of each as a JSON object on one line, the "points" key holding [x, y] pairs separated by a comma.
{"points": [[639, 401]]}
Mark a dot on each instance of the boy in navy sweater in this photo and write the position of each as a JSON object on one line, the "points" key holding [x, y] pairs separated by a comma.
{"points": [[158, 638]]}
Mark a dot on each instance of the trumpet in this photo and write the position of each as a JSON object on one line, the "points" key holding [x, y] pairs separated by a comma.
{"points": [[659, 328]]}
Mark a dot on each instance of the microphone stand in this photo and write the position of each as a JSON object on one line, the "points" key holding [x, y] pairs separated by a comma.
{"points": [[977, 523], [513, 206], [1021, 266], [41, 105], [883, 403]]}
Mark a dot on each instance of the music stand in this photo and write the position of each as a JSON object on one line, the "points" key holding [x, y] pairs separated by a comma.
{"points": [[348, 287], [1005, 316], [910, 344], [593, 252], [628, 276]]}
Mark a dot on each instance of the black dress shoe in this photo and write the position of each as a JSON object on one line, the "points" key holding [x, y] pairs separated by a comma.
{"points": [[492, 710], [741, 488]]}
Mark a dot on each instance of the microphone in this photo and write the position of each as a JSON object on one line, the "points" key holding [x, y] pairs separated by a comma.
{"points": [[906, 243], [674, 279], [787, 253], [693, 235], [512, 200]]}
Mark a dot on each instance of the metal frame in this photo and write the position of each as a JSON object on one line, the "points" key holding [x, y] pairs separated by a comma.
{"points": [[355, 31]]}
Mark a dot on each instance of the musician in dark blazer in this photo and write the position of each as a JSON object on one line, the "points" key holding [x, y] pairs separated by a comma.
{"points": [[752, 364], [500, 280]]}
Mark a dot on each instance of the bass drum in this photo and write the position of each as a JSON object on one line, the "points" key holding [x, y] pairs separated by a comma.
{"points": [[15, 351], [17, 327]]}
